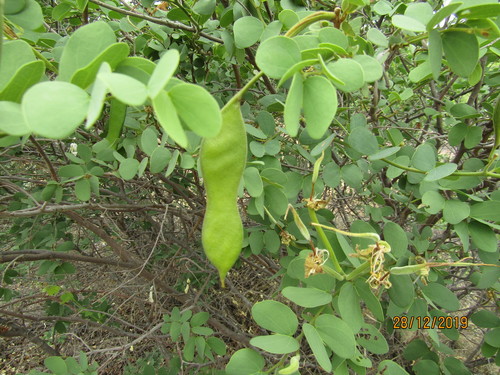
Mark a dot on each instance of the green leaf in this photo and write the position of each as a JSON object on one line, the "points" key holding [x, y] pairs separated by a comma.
{"points": [[320, 105], [276, 344], [362, 140], [253, 182], [421, 72], [421, 11], [408, 23], [473, 11], [307, 297], [56, 365], [159, 159], [489, 210], [456, 366], [334, 36], [128, 168], [247, 31], [384, 153], [16, 124], [441, 14], [397, 238], [435, 53], [461, 50], [126, 89], [485, 319], [98, 95], [15, 54], [245, 362], [389, 367], [25, 77], [348, 305], [424, 157], [204, 7], [84, 45], [30, 18], [401, 292], [348, 71], [82, 189], [372, 303], [148, 141], [112, 55], [483, 237], [54, 109], [372, 69], [14, 6], [434, 201], [275, 316], [166, 114], [337, 335], [197, 108], [276, 55], [372, 340], [318, 348], [163, 72], [442, 296], [455, 211], [440, 172], [377, 37], [293, 105]]}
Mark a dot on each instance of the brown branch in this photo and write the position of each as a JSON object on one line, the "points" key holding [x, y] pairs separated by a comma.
{"points": [[173, 25]]}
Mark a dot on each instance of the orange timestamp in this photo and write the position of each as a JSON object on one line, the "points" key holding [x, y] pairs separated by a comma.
{"points": [[430, 322]]}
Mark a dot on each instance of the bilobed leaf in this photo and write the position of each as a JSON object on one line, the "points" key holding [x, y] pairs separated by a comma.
{"points": [[204, 7], [247, 31], [288, 18], [276, 344], [97, 98], [371, 67], [441, 14], [442, 296], [402, 291], [461, 50], [275, 316], [454, 211], [245, 362], [440, 172], [407, 23], [434, 201], [159, 159], [307, 297], [435, 53], [15, 54], [16, 124], [128, 168], [29, 18], [276, 55], [56, 365], [293, 105], [483, 237], [253, 182], [318, 348], [362, 140], [54, 109], [424, 157], [197, 108], [164, 70], [348, 71], [167, 116], [349, 307], [82, 189], [377, 37], [320, 105], [84, 45], [372, 340], [112, 55], [124, 88], [337, 335], [334, 36], [397, 238], [25, 77]]}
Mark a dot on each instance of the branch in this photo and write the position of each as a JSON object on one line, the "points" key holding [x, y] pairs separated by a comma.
{"points": [[173, 25]]}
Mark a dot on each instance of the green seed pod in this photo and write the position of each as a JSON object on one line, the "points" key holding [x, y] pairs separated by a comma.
{"points": [[223, 160]]}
